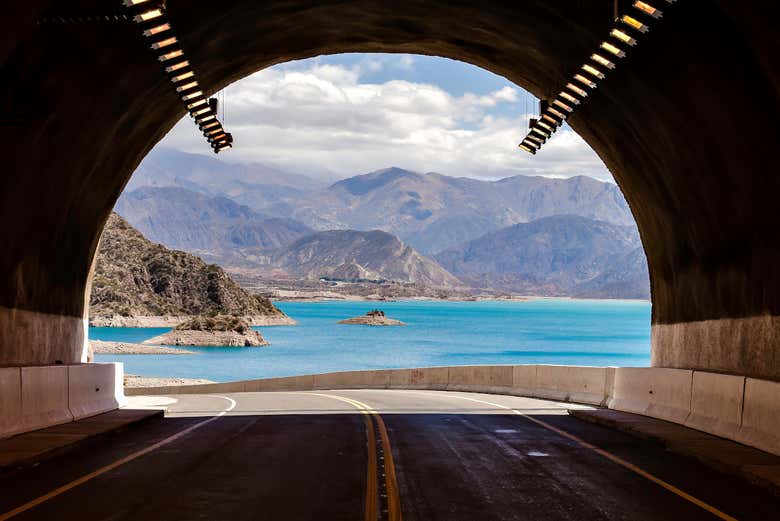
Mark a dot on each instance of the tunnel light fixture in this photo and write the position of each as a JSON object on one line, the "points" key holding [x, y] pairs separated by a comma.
{"points": [[187, 86], [164, 43], [157, 29], [634, 24], [648, 9], [555, 122], [572, 87], [553, 110], [613, 49], [554, 114], [623, 37], [182, 76], [152, 18], [590, 69], [545, 126], [582, 79], [170, 55], [602, 61], [148, 15], [192, 95], [198, 103], [177, 66], [568, 97], [201, 111], [205, 118], [562, 105]]}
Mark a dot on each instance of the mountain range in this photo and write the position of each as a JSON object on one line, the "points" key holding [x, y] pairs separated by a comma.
{"points": [[573, 236]]}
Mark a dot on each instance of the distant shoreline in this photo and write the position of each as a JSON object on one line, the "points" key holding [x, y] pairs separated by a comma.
{"points": [[143, 321], [514, 298]]}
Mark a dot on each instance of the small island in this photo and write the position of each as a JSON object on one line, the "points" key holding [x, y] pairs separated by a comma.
{"points": [[216, 331], [375, 317]]}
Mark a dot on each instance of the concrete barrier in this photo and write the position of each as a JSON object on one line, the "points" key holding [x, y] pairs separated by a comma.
{"points": [[353, 379], [94, 389], [10, 400], [524, 380], [761, 415], [44, 397], [431, 378], [716, 403], [572, 383], [653, 391], [710, 402], [480, 378]]}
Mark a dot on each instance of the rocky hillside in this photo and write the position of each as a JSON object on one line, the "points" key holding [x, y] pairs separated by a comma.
{"points": [[560, 255], [349, 254], [136, 277]]}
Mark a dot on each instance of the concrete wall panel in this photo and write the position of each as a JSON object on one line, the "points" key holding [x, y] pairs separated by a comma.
{"points": [[92, 389], [480, 378], [761, 415], [44, 397], [10, 400], [657, 392], [572, 383], [716, 403]]}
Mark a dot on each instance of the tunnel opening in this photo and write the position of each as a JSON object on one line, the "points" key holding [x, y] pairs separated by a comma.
{"points": [[702, 195], [293, 216]]}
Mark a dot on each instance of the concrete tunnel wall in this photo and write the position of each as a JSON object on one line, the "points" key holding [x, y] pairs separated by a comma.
{"points": [[687, 124]]}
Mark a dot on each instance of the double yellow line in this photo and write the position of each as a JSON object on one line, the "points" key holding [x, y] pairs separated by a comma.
{"points": [[391, 483]]}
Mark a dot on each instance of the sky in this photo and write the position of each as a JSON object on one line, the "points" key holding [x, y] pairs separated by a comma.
{"points": [[348, 114]]}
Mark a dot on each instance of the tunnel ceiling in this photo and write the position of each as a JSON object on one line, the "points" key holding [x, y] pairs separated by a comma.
{"points": [[687, 124]]}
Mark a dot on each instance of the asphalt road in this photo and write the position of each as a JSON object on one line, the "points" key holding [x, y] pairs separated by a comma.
{"points": [[369, 455]]}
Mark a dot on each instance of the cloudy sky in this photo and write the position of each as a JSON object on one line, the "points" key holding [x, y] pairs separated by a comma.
{"points": [[337, 116]]}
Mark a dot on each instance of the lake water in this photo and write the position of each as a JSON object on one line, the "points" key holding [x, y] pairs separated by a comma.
{"points": [[544, 331]]}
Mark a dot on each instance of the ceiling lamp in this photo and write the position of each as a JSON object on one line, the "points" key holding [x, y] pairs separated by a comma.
{"points": [[152, 18], [553, 115]]}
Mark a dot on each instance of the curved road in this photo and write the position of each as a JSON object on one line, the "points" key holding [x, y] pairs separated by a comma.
{"points": [[372, 455]]}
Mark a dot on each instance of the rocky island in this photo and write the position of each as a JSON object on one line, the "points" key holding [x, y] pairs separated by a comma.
{"points": [[217, 331], [374, 317], [138, 283]]}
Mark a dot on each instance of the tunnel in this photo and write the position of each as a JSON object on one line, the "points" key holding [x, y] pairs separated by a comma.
{"points": [[687, 125]]}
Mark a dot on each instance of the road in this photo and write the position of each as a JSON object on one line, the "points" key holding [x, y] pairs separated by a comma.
{"points": [[369, 455]]}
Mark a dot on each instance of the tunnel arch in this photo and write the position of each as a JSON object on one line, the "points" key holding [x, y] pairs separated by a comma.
{"points": [[86, 102]]}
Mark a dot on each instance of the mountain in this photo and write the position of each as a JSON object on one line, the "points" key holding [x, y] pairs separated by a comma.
{"points": [[559, 255], [625, 277], [433, 212], [351, 255], [253, 184], [136, 277], [184, 219]]}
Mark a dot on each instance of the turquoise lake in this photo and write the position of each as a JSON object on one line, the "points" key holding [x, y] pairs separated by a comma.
{"points": [[544, 331]]}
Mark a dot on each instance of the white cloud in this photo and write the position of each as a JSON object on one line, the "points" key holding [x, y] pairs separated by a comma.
{"points": [[323, 118]]}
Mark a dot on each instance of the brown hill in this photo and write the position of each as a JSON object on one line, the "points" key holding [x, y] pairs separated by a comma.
{"points": [[135, 277]]}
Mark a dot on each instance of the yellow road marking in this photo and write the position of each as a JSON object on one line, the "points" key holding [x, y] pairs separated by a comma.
{"points": [[630, 466], [391, 483], [111, 466]]}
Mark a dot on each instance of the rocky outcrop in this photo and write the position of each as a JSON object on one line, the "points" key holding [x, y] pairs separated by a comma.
{"points": [[138, 283], [218, 331], [373, 318]]}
